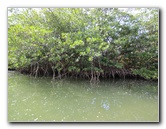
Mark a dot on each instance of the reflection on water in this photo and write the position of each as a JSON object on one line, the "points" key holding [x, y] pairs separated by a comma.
{"points": [[41, 99], [105, 104]]}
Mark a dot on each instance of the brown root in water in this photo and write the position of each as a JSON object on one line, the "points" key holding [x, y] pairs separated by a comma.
{"points": [[46, 69]]}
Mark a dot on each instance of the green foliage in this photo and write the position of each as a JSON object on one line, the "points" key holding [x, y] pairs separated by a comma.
{"points": [[84, 40], [146, 73]]}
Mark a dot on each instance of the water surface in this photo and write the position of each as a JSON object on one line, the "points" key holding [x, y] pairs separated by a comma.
{"points": [[73, 100]]}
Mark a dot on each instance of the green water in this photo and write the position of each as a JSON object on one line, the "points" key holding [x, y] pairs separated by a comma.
{"points": [[69, 100]]}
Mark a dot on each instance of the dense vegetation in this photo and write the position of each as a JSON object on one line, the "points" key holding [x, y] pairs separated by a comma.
{"points": [[84, 42]]}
